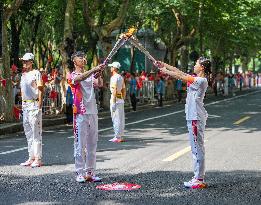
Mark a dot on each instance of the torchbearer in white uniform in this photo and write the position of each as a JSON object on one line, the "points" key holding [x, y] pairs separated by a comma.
{"points": [[32, 100], [118, 94], [85, 117], [196, 114]]}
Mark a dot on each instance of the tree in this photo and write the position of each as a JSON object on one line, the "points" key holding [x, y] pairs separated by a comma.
{"points": [[8, 10], [100, 19], [68, 44]]}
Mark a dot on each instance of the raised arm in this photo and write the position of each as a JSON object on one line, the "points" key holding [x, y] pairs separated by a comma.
{"points": [[175, 72], [86, 74]]}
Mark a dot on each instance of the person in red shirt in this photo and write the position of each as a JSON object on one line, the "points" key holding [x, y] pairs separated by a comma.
{"points": [[151, 77], [44, 76]]}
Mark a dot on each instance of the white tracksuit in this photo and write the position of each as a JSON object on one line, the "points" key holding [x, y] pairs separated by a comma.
{"points": [[85, 142], [118, 116], [85, 126], [196, 117], [32, 115]]}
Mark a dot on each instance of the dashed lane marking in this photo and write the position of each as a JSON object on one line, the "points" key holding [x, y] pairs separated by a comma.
{"points": [[241, 120], [179, 154]]}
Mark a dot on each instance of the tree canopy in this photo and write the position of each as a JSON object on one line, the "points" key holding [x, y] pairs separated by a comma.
{"points": [[227, 31]]}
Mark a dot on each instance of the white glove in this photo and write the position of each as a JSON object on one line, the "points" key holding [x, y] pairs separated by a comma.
{"points": [[113, 107], [39, 111]]}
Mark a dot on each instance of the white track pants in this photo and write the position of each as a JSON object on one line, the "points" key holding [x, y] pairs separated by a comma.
{"points": [[32, 122], [196, 130], [85, 142], [118, 120]]}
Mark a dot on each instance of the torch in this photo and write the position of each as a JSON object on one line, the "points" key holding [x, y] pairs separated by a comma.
{"points": [[120, 42], [124, 37]]}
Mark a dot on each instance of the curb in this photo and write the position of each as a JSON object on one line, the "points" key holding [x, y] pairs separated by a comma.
{"points": [[10, 128]]}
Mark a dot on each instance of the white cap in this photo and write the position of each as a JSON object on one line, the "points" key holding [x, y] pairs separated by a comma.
{"points": [[115, 65], [28, 56]]}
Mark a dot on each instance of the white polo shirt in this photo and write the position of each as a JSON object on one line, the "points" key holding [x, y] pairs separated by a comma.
{"points": [[29, 87], [117, 82], [194, 107]]}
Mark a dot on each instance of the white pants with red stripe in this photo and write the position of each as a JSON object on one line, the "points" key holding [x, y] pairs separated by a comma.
{"points": [[32, 122], [196, 130], [85, 142]]}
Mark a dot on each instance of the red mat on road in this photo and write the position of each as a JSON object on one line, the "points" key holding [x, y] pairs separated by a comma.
{"points": [[118, 186]]}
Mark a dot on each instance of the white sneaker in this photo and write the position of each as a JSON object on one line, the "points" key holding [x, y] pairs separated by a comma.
{"points": [[27, 163], [90, 177], [116, 140], [36, 163], [111, 140], [80, 178], [195, 184]]}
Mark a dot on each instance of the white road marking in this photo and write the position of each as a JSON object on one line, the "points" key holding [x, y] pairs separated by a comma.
{"points": [[14, 150], [144, 120]]}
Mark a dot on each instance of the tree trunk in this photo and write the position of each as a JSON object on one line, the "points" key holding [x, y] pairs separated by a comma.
{"points": [[245, 61], [35, 29], [231, 60], [200, 27], [173, 56], [106, 47], [7, 92], [254, 64], [182, 37], [215, 64], [15, 41], [184, 58], [67, 47], [166, 59], [132, 67], [1, 26]]}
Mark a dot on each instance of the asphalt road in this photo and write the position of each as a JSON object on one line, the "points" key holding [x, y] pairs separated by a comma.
{"points": [[155, 155]]}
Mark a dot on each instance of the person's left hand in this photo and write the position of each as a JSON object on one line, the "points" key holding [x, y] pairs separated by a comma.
{"points": [[97, 74]]}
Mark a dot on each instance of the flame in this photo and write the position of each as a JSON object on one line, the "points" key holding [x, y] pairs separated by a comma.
{"points": [[130, 31]]}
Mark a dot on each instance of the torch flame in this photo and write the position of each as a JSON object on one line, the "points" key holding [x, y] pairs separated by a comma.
{"points": [[130, 32]]}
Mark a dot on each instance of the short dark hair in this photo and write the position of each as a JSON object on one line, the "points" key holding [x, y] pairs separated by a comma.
{"points": [[77, 54], [206, 63]]}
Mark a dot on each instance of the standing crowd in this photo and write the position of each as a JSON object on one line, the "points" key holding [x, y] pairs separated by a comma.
{"points": [[140, 87]]}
